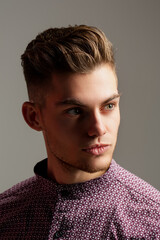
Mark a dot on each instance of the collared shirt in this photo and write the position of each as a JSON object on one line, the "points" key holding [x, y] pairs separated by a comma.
{"points": [[117, 205]]}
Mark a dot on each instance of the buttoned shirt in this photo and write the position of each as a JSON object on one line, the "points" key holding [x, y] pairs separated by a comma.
{"points": [[117, 205]]}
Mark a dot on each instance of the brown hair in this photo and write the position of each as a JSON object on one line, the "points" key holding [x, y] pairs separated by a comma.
{"points": [[77, 49]]}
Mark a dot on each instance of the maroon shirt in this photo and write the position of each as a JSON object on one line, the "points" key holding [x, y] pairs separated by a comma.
{"points": [[117, 205]]}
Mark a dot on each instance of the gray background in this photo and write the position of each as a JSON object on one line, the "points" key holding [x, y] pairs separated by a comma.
{"points": [[133, 26]]}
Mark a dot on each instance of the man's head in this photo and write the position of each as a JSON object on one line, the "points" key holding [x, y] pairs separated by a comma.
{"points": [[77, 49], [74, 100]]}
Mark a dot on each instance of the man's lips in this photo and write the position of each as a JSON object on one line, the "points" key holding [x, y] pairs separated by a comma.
{"points": [[97, 149]]}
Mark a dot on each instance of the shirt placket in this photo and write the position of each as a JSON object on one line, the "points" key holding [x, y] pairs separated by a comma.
{"points": [[58, 228]]}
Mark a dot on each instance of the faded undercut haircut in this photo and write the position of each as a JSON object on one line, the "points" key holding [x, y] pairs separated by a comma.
{"points": [[73, 49]]}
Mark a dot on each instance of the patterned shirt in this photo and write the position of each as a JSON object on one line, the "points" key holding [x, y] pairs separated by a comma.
{"points": [[117, 205]]}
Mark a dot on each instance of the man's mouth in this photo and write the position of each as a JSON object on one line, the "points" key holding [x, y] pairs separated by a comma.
{"points": [[97, 149]]}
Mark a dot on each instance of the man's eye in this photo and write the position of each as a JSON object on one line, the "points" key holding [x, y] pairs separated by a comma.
{"points": [[74, 111], [109, 106]]}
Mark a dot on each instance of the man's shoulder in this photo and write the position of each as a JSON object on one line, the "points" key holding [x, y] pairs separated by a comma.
{"points": [[18, 193], [24, 209], [136, 186]]}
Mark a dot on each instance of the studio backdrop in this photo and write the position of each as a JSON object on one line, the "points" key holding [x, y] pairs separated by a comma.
{"points": [[133, 28]]}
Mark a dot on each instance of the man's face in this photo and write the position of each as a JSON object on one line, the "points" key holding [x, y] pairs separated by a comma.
{"points": [[81, 120]]}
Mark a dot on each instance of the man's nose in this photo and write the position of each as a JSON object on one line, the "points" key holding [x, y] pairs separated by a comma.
{"points": [[97, 126]]}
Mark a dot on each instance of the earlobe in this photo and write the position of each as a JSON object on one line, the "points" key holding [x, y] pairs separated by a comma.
{"points": [[31, 115]]}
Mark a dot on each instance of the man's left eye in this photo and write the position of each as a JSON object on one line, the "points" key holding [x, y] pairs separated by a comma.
{"points": [[109, 106]]}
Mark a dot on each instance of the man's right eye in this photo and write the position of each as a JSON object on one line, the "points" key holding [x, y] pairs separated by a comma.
{"points": [[74, 111]]}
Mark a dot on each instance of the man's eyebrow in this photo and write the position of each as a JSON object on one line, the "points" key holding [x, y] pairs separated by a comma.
{"points": [[70, 101], [114, 96], [74, 101]]}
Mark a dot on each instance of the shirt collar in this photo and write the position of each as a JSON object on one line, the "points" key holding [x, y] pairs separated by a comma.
{"points": [[73, 191]]}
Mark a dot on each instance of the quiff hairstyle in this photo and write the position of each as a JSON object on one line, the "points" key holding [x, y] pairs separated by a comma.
{"points": [[74, 49]]}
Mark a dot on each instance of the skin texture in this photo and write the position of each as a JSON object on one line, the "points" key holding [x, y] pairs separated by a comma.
{"points": [[78, 115]]}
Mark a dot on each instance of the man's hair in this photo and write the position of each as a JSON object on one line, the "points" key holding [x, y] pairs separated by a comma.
{"points": [[74, 49]]}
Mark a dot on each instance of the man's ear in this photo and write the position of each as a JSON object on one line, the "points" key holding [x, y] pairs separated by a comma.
{"points": [[31, 115]]}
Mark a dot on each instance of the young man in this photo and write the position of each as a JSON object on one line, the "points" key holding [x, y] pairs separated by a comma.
{"points": [[78, 192]]}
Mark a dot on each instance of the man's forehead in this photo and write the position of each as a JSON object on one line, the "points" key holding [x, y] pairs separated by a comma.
{"points": [[99, 85]]}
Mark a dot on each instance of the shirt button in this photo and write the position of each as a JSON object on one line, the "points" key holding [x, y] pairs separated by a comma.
{"points": [[57, 235]]}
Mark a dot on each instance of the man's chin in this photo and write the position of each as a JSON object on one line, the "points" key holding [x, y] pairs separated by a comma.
{"points": [[95, 168], [100, 163]]}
